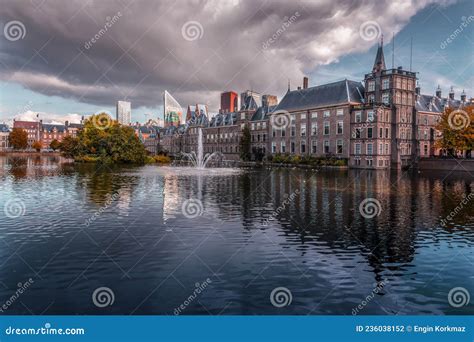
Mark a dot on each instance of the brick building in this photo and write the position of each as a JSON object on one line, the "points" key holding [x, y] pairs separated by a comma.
{"points": [[4, 133]]}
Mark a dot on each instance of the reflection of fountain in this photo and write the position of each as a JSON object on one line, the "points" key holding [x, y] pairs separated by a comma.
{"points": [[199, 160]]}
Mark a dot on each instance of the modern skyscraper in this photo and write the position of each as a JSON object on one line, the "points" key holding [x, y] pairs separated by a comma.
{"points": [[124, 112]]}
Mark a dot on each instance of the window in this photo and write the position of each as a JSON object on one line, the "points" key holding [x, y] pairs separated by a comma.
{"points": [[283, 147], [371, 98], [371, 85], [314, 146], [380, 132], [369, 149], [314, 128], [326, 127], [425, 149], [303, 146], [293, 131], [386, 98], [292, 147], [303, 116], [264, 125], [358, 117], [340, 111], [314, 115], [370, 116], [380, 148], [357, 148], [357, 133], [242, 116], [283, 132], [386, 148], [326, 146], [274, 147], [339, 147], [369, 162], [326, 113], [273, 132], [340, 127], [369, 133], [385, 83], [303, 130]]}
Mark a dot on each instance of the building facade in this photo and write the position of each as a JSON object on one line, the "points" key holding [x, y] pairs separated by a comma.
{"points": [[124, 112], [4, 133]]}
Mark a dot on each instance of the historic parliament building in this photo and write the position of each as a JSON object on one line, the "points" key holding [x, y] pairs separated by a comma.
{"points": [[383, 122]]}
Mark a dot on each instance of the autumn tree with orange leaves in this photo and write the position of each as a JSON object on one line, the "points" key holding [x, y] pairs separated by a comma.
{"points": [[457, 129]]}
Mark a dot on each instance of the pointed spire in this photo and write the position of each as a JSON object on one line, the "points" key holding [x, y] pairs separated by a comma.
{"points": [[288, 84], [379, 63]]}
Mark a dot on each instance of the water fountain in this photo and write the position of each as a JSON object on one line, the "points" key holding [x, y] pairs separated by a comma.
{"points": [[199, 160]]}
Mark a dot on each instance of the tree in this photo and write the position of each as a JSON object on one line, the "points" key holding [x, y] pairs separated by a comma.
{"points": [[55, 145], [37, 146], [245, 144], [18, 139], [457, 129], [106, 140]]}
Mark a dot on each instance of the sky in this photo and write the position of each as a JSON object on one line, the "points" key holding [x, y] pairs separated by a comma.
{"points": [[64, 60]]}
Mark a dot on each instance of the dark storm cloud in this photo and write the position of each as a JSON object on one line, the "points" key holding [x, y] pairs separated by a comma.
{"points": [[140, 47]]}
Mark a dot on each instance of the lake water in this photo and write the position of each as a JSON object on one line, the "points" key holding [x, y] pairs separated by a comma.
{"points": [[164, 240]]}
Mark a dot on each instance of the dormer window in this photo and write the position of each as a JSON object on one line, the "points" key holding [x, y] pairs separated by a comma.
{"points": [[371, 86]]}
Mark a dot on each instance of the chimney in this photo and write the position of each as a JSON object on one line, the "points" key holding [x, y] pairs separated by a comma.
{"points": [[438, 92], [463, 96], [451, 93], [417, 90], [305, 82]]}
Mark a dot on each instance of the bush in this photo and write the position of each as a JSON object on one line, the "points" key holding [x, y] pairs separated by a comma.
{"points": [[162, 159]]}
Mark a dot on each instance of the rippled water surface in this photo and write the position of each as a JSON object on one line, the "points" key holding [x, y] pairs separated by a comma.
{"points": [[151, 234]]}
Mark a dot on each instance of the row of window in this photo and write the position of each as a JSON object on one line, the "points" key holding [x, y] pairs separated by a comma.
{"points": [[400, 83], [314, 147], [370, 133], [369, 148], [314, 129]]}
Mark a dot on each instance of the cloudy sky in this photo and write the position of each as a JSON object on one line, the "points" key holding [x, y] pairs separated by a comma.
{"points": [[65, 59]]}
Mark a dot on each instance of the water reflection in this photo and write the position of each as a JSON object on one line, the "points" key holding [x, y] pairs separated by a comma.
{"points": [[258, 229]]}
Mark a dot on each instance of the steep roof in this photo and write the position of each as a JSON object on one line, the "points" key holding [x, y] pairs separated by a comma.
{"points": [[379, 63], [223, 119], [262, 113], [434, 104], [51, 127], [26, 124], [4, 128], [330, 94]]}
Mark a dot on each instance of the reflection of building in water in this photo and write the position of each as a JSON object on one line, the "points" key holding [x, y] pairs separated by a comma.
{"points": [[171, 197]]}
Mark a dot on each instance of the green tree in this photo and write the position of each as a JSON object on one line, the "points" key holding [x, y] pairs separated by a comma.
{"points": [[105, 139], [55, 145], [18, 139], [245, 144]]}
